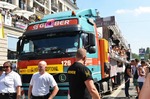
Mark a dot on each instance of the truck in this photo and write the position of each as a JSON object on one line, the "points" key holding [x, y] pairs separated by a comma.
{"points": [[56, 38]]}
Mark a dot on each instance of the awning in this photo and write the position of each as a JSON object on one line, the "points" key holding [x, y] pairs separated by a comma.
{"points": [[24, 13], [7, 5]]}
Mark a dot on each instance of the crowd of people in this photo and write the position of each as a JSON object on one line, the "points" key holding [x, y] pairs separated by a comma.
{"points": [[138, 71], [12, 19], [119, 51], [81, 84]]}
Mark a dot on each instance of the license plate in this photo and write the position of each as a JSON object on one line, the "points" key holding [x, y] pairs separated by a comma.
{"points": [[55, 68]]}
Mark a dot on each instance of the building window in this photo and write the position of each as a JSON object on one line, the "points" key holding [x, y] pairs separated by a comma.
{"points": [[10, 1], [68, 9], [38, 7], [60, 6], [12, 43], [22, 4]]}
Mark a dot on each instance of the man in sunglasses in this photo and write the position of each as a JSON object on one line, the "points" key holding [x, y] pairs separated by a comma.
{"points": [[10, 83]]}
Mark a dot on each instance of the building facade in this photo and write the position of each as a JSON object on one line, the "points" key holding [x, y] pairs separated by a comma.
{"points": [[17, 14]]}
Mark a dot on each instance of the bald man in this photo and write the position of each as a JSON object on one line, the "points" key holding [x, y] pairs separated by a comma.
{"points": [[81, 83], [41, 82]]}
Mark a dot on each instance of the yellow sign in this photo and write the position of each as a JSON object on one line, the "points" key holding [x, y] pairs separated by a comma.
{"points": [[1, 27], [55, 68]]}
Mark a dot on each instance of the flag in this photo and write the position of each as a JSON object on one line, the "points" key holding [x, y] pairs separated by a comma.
{"points": [[1, 27]]}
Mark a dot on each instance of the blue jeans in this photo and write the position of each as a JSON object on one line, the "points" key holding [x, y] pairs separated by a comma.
{"points": [[140, 85], [127, 85]]}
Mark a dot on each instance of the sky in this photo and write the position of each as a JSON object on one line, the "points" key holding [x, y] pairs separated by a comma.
{"points": [[132, 17]]}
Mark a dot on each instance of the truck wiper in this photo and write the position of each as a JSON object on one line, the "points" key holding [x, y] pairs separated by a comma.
{"points": [[29, 54], [59, 51]]}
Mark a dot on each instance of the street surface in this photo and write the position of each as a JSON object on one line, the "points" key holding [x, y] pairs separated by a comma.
{"points": [[119, 92]]}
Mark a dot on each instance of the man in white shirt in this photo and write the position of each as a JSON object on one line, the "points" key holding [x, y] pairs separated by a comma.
{"points": [[10, 83], [40, 84]]}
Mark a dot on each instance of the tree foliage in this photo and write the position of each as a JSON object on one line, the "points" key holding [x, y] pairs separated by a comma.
{"points": [[134, 55], [147, 50]]}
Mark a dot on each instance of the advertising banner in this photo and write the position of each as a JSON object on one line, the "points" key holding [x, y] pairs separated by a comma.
{"points": [[8, 20], [21, 25], [141, 51]]}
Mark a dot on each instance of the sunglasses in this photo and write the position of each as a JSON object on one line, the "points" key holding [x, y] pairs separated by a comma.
{"points": [[6, 66]]}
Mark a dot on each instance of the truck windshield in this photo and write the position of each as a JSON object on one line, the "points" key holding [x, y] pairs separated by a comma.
{"points": [[51, 45]]}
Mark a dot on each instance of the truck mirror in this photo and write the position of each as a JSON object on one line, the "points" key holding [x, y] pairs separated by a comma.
{"points": [[85, 39], [91, 39], [18, 46]]}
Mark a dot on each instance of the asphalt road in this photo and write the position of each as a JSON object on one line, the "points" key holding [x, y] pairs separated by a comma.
{"points": [[119, 92]]}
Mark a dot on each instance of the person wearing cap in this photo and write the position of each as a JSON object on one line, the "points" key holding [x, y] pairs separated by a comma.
{"points": [[10, 83]]}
